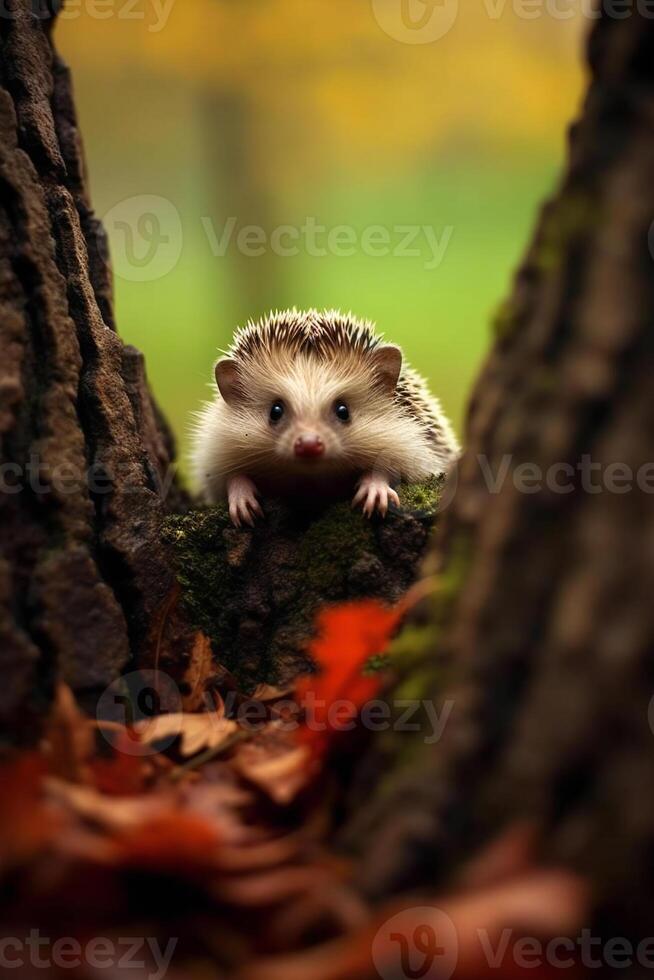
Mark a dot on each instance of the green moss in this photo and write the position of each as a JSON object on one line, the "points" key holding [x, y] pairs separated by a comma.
{"points": [[455, 572], [328, 547], [256, 593], [574, 215], [377, 664], [416, 656], [506, 321], [199, 556], [422, 498]]}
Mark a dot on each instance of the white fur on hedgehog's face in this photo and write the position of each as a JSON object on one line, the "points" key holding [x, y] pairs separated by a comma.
{"points": [[310, 414]]}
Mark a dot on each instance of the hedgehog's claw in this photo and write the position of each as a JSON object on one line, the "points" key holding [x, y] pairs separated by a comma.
{"points": [[374, 493], [242, 501]]}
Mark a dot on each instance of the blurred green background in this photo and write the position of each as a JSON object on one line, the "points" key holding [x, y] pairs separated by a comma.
{"points": [[272, 112]]}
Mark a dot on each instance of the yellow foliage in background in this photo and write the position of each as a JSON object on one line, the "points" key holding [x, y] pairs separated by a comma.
{"points": [[327, 67]]}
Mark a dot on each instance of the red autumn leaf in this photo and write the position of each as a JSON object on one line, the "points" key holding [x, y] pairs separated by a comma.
{"points": [[123, 774], [348, 635], [174, 842], [26, 825]]}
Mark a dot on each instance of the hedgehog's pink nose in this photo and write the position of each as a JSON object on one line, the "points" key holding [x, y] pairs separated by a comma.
{"points": [[309, 444]]}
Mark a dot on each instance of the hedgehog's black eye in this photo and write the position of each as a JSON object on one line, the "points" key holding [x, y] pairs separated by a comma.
{"points": [[276, 411], [342, 412]]}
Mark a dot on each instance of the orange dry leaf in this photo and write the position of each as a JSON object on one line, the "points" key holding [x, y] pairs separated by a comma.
{"points": [[201, 667], [348, 635], [26, 824], [175, 841], [123, 773], [68, 739]]}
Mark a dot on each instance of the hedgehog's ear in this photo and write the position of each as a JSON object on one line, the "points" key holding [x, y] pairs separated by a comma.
{"points": [[387, 362], [228, 381]]}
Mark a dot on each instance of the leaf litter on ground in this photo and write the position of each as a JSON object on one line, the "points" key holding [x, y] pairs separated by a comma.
{"points": [[223, 830]]}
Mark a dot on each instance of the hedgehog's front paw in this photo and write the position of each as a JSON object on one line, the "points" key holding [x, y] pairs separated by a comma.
{"points": [[242, 500], [374, 493]]}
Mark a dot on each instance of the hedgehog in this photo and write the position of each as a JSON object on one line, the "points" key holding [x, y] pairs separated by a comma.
{"points": [[313, 406]]}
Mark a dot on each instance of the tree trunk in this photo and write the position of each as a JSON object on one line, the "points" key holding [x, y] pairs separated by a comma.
{"points": [[547, 605], [84, 455]]}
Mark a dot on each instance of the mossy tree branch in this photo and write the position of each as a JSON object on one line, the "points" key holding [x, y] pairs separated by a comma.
{"points": [[255, 593]]}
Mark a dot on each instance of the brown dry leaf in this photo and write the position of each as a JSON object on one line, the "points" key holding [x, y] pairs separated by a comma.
{"points": [[274, 887], [123, 774], [201, 667], [267, 692], [275, 764], [207, 730], [224, 805], [69, 738], [261, 855], [509, 855], [110, 812], [539, 902], [335, 906]]}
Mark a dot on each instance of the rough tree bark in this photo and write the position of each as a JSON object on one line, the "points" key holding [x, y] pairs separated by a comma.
{"points": [[81, 564], [549, 626]]}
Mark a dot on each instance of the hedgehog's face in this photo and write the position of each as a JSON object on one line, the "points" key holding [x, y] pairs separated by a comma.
{"points": [[313, 415]]}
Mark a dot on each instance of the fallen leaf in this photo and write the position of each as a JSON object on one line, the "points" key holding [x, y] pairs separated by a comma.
{"points": [[348, 635], [205, 730], [281, 776], [26, 825], [553, 904], [123, 773], [109, 812], [201, 667], [268, 692], [69, 738], [171, 842]]}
